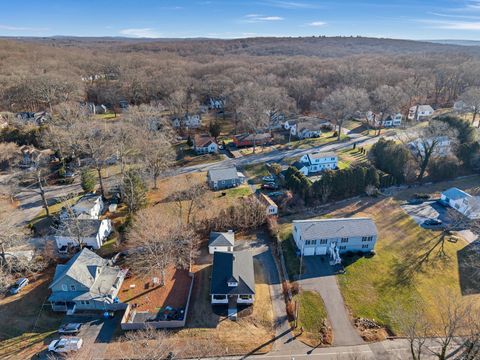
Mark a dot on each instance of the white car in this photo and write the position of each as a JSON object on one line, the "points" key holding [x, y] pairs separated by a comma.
{"points": [[70, 328], [65, 345]]}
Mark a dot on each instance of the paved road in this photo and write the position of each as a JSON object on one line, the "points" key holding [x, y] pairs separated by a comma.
{"points": [[273, 156], [320, 277]]}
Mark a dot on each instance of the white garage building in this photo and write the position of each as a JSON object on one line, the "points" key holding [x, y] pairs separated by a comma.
{"points": [[462, 201], [316, 236], [221, 241]]}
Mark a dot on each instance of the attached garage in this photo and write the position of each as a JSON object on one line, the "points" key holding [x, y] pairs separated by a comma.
{"points": [[321, 250], [309, 251]]}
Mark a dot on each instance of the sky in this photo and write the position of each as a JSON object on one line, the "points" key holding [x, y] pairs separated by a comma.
{"points": [[406, 19]]}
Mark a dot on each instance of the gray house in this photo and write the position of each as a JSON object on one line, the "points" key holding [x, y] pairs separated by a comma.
{"points": [[224, 178], [221, 241], [233, 278], [86, 282], [320, 236]]}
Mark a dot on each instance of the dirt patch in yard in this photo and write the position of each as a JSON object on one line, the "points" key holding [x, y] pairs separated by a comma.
{"points": [[148, 296]]}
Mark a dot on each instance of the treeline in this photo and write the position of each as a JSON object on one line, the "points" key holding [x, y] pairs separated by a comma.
{"points": [[183, 74], [335, 184], [442, 149]]}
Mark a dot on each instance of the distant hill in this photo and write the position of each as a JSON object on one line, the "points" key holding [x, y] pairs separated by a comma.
{"points": [[457, 42], [268, 46]]}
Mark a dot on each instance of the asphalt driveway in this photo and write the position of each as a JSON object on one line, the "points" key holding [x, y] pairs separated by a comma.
{"points": [[320, 277]]}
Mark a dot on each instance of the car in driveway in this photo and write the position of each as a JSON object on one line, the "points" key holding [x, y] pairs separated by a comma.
{"points": [[270, 186], [65, 345], [19, 285], [432, 222], [70, 328], [268, 178]]}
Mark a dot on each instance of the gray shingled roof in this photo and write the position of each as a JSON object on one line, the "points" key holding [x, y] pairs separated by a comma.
{"points": [[335, 228], [456, 194], [322, 154], [221, 239], [82, 267], [228, 266], [86, 227], [223, 174]]}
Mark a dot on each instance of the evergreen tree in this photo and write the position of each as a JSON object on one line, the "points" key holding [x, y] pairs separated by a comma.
{"points": [[88, 180]]}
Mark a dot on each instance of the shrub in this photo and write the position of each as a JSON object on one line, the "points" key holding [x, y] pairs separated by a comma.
{"points": [[443, 168], [88, 180]]}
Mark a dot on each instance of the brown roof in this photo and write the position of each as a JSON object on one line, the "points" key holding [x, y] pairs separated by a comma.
{"points": [[250, 137], [203, 140], [266, 199]]}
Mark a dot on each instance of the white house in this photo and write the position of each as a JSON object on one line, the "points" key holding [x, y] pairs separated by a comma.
{"points": [[233, 279], [443, 147], [221, 241], [89, 206], [305, 127], [317, 161], [188, 121], [204, 144], [462, 201], [271, 207], [392, 120], [315, 237], [88, 232], [420, 112]]}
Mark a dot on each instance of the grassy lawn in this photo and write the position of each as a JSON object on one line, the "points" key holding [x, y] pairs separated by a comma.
{"points": [[350, 156], [312, 317], [372, 287], [289, 249], [325, 138], [238, 192], [54, 209], [255, 172], [26, 323], [189, 157]]}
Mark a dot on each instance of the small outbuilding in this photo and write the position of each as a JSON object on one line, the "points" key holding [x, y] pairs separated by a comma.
{"points": [[221, 241]]}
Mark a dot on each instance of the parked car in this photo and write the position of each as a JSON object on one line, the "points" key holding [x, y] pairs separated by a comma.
{"points": [[415, 201], [70, 328], [270, 186], [19, 285], [268, 178], [422, 196], [65, 345], [432, 222]]}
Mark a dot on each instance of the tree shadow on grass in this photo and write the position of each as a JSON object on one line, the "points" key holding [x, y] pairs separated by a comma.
{"points": [[425, 254], [469, 268]]}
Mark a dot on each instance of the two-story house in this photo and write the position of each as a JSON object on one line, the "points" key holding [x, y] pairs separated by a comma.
{"points": [[420, 112], [86, 282], [72, 233], [89, 206], [316, 236], [317, 161], [204, 144]]}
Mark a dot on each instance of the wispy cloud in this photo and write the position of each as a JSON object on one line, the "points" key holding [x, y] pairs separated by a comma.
{"points": [[453, 25], [141, 33], [20, 28], [317, 23], [255, 18], [290, 4]]}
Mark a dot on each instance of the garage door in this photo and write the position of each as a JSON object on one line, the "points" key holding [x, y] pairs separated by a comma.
{"points": [[321, 250], [309, 251]]}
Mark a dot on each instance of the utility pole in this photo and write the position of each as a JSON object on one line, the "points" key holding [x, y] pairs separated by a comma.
{"points": [[297, 302]]}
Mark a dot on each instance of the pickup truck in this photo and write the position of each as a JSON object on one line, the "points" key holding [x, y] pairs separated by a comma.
{"points": [[65, 345]]}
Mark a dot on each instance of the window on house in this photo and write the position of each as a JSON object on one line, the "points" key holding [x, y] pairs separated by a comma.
{"points": [[87, 302], [245, 297], [72, 288], [343, 247], [307, 242], [219, 297], [365, 246], [64, 287], [344, 240], [323, 241]]}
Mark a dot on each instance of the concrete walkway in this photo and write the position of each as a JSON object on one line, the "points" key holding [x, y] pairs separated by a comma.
{"points": [[319, 277]]}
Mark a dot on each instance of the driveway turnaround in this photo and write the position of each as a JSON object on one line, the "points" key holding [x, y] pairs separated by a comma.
{"points": [[320, 277]]}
